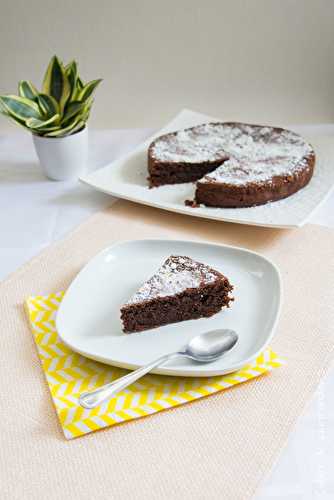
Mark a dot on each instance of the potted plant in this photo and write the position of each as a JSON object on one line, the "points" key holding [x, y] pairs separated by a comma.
{"points": [[57, 118]]}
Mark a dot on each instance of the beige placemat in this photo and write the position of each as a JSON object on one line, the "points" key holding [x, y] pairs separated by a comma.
{"points": [[218, 447]]}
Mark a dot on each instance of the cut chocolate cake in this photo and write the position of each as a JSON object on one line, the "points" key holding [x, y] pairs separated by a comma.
{"points": [[235, 164], [181, 289]]}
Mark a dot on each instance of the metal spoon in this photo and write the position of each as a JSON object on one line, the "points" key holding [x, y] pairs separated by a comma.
{"points": [[203, 348]]}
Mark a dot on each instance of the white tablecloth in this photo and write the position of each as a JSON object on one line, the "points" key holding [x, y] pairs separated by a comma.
{"points": [[34, 212]]}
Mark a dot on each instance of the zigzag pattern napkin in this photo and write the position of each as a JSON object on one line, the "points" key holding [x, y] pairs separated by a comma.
{"points": [[69, 374]]}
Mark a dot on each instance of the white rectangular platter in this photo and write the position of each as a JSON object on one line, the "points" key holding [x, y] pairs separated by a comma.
{"points": [[126, 178]]}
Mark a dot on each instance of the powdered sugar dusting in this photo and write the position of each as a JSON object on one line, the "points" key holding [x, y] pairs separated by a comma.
{"points": [[237, 172], [175, 275], [254, 153]]}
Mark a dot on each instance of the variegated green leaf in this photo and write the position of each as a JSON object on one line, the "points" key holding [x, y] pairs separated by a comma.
{"points": [[72, 75], [19, 122], [88, 89], [50, 124], [74, 126], [28, 90], [2, 109], [48, 105], [82, 112], [70, 65], [80, 83], [73, 109], [12, 118], [56, 83], [78, 88], [20, 107], [86, 112]]}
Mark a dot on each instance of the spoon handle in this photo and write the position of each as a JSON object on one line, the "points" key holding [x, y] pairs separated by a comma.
{"points": [[92, 399]]}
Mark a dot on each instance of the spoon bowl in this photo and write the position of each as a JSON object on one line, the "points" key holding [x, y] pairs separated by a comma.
{"points": [[211, 345]]}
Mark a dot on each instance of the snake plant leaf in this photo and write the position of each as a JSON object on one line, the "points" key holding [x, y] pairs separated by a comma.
{"points": [[21, 123], [78, 88], [56, 82], [28, 90], [35, 123], [88, 89], [48, 105], [72, 74], [73, 109], [4, 112], [2, 109], [20, 108], [81, 110], [71, 65], [86, 112], [80, 83], [74, 126]]}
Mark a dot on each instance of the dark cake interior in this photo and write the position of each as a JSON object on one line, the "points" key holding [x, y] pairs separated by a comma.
{"points": [[181, 289]]}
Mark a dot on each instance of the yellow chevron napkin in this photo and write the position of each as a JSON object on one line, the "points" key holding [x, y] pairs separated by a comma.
{"points": [[69, 374]]}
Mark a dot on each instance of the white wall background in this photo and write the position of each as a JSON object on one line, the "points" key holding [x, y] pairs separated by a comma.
{"points": [[257, 60]]}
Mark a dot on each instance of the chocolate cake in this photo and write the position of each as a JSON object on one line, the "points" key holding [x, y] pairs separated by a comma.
{"points": [[181, 289], [235, 164]]}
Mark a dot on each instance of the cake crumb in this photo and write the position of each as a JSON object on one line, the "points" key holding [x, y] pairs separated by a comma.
{"points": [[191, 203]]}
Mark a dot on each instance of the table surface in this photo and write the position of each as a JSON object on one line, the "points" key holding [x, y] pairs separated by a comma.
{"points": [[34, 212]]}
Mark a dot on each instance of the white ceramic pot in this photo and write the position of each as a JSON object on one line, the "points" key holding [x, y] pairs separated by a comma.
{"points": [[63, 158]]}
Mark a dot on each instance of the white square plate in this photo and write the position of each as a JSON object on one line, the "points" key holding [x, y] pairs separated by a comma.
{"points": [[126, 178], [88, 320]]}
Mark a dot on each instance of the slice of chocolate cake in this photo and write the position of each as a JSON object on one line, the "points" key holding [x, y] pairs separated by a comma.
{"points": [[181, 289]]}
